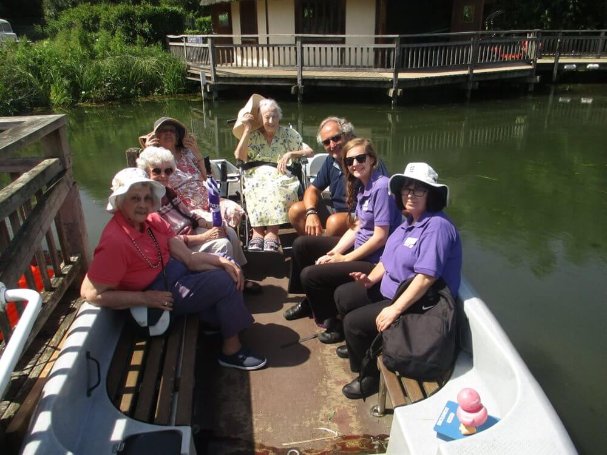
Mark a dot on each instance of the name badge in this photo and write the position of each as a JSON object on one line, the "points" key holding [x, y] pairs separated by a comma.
{"points": [[365, 206], [410, 242]]}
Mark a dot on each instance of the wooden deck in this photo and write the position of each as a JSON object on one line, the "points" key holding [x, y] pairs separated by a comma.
{"points": [[392, 63], [296, 401]]}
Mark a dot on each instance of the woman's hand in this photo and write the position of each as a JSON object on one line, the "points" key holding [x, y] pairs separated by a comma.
{"points": [[234, 271], [162, 300], [151, 140], [331, 256], [247, 121], [214, 233], [361, 278], [386, 317], [283, 161]]}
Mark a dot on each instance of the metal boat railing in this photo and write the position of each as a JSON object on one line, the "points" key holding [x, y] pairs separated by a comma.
{"points": [[17, 342]]}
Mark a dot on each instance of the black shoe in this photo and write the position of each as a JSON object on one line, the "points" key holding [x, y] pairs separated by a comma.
{"points": [[334, 332], [370, 386], [342, 352], [301, 310]]}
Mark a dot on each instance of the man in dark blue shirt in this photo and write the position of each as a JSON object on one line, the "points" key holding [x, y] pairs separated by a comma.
{"points": [[311, 215]]}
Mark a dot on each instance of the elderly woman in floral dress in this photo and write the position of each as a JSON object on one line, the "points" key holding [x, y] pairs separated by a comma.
{"points": [[269, 188]]}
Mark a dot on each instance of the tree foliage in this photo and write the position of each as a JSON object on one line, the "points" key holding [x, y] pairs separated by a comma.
{"points": [[550, 14]]}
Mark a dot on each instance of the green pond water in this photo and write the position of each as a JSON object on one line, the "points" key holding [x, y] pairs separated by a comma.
{"points": [[528, 182]]}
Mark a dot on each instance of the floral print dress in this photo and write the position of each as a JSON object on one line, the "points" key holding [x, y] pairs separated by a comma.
{"points": [[188, 184], [268, 193]]}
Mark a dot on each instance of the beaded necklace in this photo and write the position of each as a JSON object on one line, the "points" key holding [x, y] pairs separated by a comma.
{"points": [[145, 258]]}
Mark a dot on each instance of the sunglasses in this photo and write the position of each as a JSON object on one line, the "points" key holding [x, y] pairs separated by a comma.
{"points": [[335, 138], [166, 129], [167, 171], [360, 159]]}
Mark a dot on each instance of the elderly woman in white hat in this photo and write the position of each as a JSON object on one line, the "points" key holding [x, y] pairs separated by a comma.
{"points": [[140, 263], [425, 249], [172, 135], [269, 187]]}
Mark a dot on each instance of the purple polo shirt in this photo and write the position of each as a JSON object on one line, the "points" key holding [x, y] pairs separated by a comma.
{"points": [[431, 246], [375, 207]]}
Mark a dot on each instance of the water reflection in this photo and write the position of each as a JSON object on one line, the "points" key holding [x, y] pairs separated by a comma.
{"points": [[528, 181]]}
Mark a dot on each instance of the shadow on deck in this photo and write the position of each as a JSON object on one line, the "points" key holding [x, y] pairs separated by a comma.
{"points": [[295, 403]]}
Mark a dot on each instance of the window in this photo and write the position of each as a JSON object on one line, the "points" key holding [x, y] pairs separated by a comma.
{"points": [[320, 17]]}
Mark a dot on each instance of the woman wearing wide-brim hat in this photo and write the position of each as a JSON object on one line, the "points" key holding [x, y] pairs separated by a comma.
{"points": [[269, 188], [142, 265], [426, 247]]}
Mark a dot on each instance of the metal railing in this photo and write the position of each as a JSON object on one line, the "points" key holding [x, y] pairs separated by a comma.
{"points": [[15, 346]]}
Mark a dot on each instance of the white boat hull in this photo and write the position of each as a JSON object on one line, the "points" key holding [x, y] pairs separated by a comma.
{"points": [[528, 424]]}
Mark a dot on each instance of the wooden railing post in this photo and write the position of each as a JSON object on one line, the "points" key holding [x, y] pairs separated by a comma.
{"points": [[185, 48], [299, 62], [474, 46], [212, 59], [600, 44], [395, 91], [557, 53]]}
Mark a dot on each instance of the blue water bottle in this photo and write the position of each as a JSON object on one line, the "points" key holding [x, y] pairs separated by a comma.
{"points": [[213, 189]]}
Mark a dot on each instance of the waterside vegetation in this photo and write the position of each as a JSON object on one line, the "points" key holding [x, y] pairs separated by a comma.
{"points": [[93, 53]]}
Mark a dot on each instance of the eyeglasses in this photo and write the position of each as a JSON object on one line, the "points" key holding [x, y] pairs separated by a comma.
{"points": [[417, 191], [360, 159], [335, 138], [167, 171]]}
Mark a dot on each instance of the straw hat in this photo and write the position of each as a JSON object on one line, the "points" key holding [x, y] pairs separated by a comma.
{"points": [[122, 182], [252, 107], [164, 121], [422, 172]]}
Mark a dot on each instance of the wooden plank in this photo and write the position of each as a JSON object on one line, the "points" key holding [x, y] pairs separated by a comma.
{"points": [[146, 400], [120, 363], [430, 387], [187, 377], [397, 395], [167, 382], [26, 130], [131, 383], [412, 389]]}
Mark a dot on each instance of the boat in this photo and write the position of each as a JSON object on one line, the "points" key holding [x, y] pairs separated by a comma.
{"points": [[295, 404]]}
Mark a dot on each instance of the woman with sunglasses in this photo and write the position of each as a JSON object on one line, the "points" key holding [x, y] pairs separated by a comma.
{"points": [[425, 248], [321, 264], [140, 264], [189, 184], [197, 233]]}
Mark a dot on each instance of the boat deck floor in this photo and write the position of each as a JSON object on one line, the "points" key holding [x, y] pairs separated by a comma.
{"points": [[295, 404]]}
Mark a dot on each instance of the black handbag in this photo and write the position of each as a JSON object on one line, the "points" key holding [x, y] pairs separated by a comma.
{"points": [[421, 343]]}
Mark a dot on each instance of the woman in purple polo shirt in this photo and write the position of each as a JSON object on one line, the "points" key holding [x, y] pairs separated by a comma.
{"points": [[320, 264], [426, 247]]}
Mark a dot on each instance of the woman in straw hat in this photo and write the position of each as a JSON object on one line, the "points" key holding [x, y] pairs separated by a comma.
{"points": [[140, 263], [425, 249], [269, 188], [172, 135]]}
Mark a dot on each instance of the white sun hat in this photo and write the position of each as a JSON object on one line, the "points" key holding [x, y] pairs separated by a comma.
{"points": [[252, 107], [155, 321], [124, 179], [422, 172]]}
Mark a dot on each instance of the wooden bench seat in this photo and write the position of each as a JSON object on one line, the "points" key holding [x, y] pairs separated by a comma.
{"points": [[402, 390], [151, 379]]}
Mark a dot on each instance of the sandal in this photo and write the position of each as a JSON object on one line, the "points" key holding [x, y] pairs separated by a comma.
{"points": [[270, 245], [256, 244], [251, 287]]}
